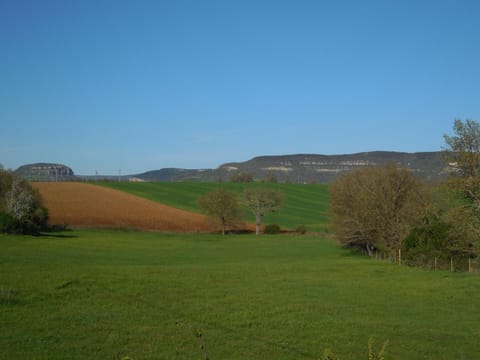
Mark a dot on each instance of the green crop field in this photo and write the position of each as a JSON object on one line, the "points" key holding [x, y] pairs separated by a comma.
{"points": [[111, 294], [304, 204]]}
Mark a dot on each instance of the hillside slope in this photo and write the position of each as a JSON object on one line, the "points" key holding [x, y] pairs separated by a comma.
{"points": [[304, 204], [86, 205]]}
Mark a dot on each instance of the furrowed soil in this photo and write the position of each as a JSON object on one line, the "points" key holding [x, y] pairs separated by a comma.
{"points": [[81, 205]]}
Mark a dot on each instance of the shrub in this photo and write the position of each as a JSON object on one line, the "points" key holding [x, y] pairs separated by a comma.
{"points": [[272, 229], [8, 296], [36, 221], [443, 236], [8, 224], [242, 177], [301, 229], [21, 206]]}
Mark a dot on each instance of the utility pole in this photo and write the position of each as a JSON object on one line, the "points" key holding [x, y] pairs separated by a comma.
{"points": [[119, 173]]}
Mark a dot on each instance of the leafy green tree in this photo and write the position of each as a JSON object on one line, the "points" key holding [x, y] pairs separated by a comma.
{"points": [[444, 235], [462, 152], [222, 207], [262, 201], [374, 208]]}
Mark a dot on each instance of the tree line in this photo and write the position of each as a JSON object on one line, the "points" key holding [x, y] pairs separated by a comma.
{"points": [[387, 209]]}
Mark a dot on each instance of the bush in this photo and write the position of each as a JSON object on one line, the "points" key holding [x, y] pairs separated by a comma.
{"points": [[8, 296], [301, 229], [242, 177], [21, 206], [36, 221], [8, 224], [272, 229], [444, 236]]}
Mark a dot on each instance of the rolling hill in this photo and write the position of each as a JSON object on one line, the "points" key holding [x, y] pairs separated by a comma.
{"points": [[304, 204], [83, 205]]}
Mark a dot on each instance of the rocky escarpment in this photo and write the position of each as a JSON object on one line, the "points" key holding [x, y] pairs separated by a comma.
{"points": [[303, 168], [45, 172], [325, 168]]}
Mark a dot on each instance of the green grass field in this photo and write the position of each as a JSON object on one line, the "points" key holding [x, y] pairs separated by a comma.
{"points": [[110, 294], [304, 204]]}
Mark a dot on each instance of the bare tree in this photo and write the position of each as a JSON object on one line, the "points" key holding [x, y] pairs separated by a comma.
{"points": [[262, 201], [376, 207], [222, 206]]}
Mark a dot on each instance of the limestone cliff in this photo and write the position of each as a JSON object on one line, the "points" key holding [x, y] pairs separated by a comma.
{"points": [[45, 172]]}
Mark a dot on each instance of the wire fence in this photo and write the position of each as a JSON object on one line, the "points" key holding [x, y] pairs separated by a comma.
{"points": [[431, 262]]}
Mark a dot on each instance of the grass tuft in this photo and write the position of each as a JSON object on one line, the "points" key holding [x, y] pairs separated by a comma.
{"points": [[9, 296], [67, 284], [376, 354]]}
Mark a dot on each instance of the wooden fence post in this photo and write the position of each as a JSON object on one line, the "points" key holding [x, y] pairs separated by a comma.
{"points": [[399, 256], [435, 266], [451, 264]]}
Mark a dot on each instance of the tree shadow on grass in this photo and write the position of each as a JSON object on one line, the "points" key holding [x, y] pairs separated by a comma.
{"points": [[58, 231], [58, 236]]}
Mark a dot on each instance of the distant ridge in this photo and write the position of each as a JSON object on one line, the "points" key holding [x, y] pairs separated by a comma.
{"points": [[174, 174], [296, 168], [302, 168]]}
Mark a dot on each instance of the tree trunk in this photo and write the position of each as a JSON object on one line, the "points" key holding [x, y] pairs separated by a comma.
{"points": [[258, 220], [369, 250]]}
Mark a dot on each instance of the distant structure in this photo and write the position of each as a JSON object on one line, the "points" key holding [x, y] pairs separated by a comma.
{"points": [[45, 172], [135, 179]]}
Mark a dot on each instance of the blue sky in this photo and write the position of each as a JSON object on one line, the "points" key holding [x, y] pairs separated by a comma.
{"points": [[141, 85]]}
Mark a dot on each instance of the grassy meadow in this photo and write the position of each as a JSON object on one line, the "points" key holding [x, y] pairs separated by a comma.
{"points": [[303, 204], [94, 294]]}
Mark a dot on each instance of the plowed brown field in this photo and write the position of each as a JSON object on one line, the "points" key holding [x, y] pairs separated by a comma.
{"points": [[87, 205]]}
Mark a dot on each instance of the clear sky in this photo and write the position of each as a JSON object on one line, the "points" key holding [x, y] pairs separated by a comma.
{"points": [[142, 85]]}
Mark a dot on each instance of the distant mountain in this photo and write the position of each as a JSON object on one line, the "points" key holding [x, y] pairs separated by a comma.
{"points": [[45, 172], [299, 168], [325, 168], [303, 168]]}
